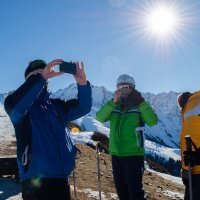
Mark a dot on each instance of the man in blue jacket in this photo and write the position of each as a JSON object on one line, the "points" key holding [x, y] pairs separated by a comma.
{"points": [[45, 151]]}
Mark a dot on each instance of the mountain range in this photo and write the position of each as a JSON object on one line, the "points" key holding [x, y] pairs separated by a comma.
{"points": [[166, 132], [162, 138]]}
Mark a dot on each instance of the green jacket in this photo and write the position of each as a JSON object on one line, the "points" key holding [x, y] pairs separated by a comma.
{"points": [[125, 138]]}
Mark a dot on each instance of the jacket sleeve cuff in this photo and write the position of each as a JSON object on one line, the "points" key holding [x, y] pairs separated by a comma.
{"points": [[88, 84]]}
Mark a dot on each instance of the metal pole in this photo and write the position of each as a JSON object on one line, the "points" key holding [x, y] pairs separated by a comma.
{"points": [[74, 180], [99, 170], [189, 150]]}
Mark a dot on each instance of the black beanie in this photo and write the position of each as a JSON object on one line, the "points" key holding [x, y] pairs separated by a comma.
{"points": [[183, 98], [33, 65]]}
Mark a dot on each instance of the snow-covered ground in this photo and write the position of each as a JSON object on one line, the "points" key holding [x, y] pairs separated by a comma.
{"points": [[6, 128], [165, 152]]}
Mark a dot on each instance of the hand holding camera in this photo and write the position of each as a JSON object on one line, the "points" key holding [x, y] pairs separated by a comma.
{"points": [[49, 72], [117, 96], [65, 67], [75, 69], [130, 96]]}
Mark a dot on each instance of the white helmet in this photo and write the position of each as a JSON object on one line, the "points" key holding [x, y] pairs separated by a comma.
{"points": [[126, 79]]}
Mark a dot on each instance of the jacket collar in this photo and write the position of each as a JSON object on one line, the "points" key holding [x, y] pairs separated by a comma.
{"points": [[43, 97]]}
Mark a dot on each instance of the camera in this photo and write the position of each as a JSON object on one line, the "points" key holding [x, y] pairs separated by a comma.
{"points": [[67, 67]]}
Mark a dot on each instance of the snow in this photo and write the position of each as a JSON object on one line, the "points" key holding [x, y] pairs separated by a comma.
{"points": [[173, 195], [174, 179], [95, 194], [165, 152], [82, 137], [6, 128], [91, 124]]}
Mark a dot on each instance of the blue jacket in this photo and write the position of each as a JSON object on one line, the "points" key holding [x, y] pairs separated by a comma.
{"points": [[44, 147]]}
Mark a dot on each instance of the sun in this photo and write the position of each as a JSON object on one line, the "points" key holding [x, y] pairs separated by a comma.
{"points": [[162, 21], [161, 25]]}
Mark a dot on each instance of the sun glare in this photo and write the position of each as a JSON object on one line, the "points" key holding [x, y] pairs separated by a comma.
{"points": [[162, 21], [159, 24]]}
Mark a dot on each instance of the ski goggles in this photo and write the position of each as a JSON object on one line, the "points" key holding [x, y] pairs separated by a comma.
{"points": [[125, 89], [123, 86]]}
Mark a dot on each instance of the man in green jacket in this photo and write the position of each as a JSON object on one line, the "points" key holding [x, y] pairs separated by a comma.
{"points": [[127, 112]]}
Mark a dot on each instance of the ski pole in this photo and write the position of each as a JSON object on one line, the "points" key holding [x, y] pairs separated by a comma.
{"points": [[189, 150], [99, 170], [74, 180]]}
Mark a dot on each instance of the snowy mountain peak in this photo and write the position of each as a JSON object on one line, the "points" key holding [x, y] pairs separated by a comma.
{"points": [[166, 132], [2, 98]]}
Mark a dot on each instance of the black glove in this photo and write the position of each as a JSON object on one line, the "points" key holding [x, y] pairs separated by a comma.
{"points": [[136, 97], [191, 156]]}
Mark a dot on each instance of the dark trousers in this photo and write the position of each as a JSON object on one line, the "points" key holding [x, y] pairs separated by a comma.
{"points": [[195, 187], [128, 173], [46, 189]]}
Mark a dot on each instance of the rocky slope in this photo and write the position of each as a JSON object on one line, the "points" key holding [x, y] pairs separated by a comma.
{"points": [[155, 186]]}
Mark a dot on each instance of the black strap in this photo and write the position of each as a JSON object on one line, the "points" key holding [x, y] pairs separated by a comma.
{"points": [[194, 145]]}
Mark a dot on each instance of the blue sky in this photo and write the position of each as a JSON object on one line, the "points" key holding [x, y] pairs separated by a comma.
{"points": [[107, 35]]}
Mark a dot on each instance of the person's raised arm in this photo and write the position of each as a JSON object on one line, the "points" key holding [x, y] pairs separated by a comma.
{"points": [[76, 108], [18, 103], [103, 114]]}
